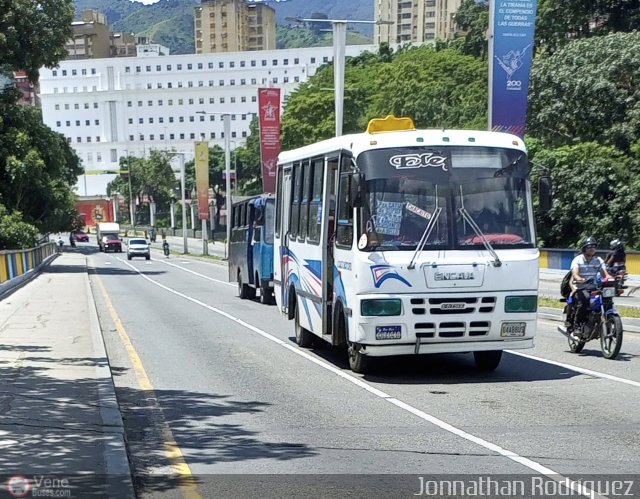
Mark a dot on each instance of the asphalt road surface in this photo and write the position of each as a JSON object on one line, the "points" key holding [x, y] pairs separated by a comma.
{"points": [[214, 388]]}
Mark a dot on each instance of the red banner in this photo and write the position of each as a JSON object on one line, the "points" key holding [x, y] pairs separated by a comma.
{"points": [[269, 105]]}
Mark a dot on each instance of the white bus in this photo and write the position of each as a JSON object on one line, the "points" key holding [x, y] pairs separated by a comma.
{"points": [[402, 241]]}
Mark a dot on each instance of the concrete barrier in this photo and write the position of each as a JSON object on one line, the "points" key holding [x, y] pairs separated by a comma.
{"points": [[18, 266]]}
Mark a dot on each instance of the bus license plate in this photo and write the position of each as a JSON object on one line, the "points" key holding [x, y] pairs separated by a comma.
{"points": [[388, 332], [511, 329]]}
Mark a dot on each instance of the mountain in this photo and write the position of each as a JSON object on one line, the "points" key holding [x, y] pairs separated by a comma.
{"points": [[170, 22]]}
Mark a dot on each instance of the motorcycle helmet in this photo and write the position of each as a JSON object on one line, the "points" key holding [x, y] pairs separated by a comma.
{"points": [[589, 241], [616, 244]]}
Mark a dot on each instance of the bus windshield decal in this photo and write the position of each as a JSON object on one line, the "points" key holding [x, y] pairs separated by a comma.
{"points": [[388, 217], [418, 211], [419, 160]]}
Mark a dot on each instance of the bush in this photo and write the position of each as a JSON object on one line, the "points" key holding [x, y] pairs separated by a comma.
{"points": [[14, 232]]}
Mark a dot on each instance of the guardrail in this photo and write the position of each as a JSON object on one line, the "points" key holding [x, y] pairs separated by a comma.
{"points": [[552, 258], [15, 264]]}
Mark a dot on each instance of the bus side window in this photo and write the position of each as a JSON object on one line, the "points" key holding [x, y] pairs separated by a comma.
{"points": [[258, 223], [344, 232]]}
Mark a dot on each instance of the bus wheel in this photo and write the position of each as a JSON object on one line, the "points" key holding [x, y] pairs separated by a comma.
{"points": [[266, 296], [243, 289], [304, 338], [487, 361], [357, 362]]}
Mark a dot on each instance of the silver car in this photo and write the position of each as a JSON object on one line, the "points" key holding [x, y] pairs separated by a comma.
{"points": [[138, 247]]}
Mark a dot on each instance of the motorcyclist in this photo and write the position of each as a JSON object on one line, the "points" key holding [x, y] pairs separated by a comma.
{"points": [[616, 259], [584, 269], [165, 247]]}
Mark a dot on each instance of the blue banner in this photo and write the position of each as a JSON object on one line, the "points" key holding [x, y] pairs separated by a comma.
{"points": [[513, 29]]}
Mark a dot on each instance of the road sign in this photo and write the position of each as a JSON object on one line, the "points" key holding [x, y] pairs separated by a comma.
{"points": [[232, 172]]}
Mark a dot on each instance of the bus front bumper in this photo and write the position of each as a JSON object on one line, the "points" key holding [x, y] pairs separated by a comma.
{"points": [[424, 347]]}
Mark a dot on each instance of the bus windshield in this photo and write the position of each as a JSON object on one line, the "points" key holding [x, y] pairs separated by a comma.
{"points": [[405, 191]]}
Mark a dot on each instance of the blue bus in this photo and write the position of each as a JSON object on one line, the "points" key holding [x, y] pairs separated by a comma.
{"points": [[251, 246]]}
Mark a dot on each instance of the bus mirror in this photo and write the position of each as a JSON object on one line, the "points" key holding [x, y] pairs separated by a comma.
{"points": [[544, 193]]}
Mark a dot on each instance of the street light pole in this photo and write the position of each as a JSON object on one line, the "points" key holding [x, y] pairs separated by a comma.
{"points": [[226, 117], [227, 167], [339, 43]]}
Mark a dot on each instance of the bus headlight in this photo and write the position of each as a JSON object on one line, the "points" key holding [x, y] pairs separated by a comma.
{"points": [[381, 307], [515, 304]]}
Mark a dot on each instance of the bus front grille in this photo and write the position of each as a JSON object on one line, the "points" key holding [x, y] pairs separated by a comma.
{"points": [[453, 305], [452, 329]]}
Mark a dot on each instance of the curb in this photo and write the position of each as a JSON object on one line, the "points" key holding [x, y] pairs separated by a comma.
{"points": [[116, 460]]}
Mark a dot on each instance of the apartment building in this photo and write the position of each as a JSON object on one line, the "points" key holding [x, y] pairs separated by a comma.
{"points": [[110, 108], [91, 37], [415, 21], [28, 90], [233, 26]]}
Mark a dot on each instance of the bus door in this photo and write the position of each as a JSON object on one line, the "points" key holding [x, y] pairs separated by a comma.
{"points": [[328, 241], [281, 268], [248, 242]]}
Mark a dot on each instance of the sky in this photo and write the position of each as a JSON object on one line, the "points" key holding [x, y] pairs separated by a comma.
{"points": [[146, 2]]}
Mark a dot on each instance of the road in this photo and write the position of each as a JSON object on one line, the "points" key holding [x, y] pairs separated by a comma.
{"points": [[209, 384]]}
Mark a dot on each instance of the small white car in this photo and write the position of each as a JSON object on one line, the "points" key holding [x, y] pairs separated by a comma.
{"points": [[138, 247]]}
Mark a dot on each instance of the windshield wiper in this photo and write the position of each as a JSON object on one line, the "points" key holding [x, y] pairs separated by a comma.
{"points": [[465, 214], [426, 233]]}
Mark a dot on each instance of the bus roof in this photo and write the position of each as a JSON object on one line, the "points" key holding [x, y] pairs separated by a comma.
{"points": [[359, 142], [254, 198]]}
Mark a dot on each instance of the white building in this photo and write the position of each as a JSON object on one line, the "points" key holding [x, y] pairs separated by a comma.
{"points": [[109, 108]]}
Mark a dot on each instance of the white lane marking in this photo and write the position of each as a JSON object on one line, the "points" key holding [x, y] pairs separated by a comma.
{"points": [[514, 352], [529, 463], [198, 274], [582, 370]]}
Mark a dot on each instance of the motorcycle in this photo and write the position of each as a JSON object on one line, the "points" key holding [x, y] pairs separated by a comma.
{"points": [[601, 322], [165, 249]]}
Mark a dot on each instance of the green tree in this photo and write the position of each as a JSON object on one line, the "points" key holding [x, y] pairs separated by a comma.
{"points": [[34, 33], [559, 23], [472, 17], [250, 169], [38, 169], [588, 91], [14, 232], [594, 193], [151, 177], [436, 88]]}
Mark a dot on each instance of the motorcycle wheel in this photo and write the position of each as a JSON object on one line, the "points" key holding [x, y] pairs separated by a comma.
{"points": [[575, 346], [611, 337]]}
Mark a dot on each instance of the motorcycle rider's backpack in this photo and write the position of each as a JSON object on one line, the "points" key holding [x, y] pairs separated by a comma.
{"points": [[565, 286]]}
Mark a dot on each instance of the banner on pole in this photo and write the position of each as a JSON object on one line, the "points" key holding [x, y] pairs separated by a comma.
{"points": [[202, 178], [513, 30], [269, 106]]}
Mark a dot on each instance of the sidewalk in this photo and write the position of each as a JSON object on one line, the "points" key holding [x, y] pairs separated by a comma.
{"points": [[59, 417]]}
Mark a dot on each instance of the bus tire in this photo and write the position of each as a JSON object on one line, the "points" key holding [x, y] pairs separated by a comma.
{"points": [[359, 363], [304, 338], [266, 295], [487, 360], [243, 289]]}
